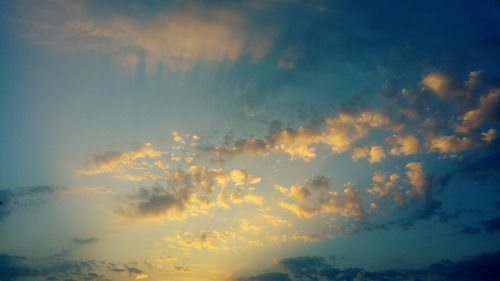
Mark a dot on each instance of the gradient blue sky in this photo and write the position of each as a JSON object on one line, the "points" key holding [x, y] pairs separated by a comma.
{"points": [[249, 140]]}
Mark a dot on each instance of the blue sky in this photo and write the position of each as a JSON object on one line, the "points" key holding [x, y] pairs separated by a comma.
{"points": [[237, 140]]}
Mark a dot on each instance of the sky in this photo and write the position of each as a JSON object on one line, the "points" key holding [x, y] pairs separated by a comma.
{"points": [[267, 140]]}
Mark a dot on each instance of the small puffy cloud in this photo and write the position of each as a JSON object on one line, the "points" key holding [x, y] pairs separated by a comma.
{"points": [[224, 199], [247, 226], [449, 144], [204, 240], [289, 58], [417, 178], [299, 210], [360, 152], [348, 204], [306, 238], [487, 110], [115, 160], [383, 185], [342, 130], [377, 154], [190, 240], [451, 89], [254, 199], [276, 221], [177, 137], [166, 259], [241, 177], [298, 192], [374, 154], [438, 83], [404, 145], [489, 136]]}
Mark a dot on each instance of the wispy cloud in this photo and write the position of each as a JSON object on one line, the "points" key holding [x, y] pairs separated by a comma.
{"points": [[177, 39]]}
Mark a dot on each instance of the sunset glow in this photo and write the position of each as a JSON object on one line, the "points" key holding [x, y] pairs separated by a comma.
{"points": [[249, 140]]}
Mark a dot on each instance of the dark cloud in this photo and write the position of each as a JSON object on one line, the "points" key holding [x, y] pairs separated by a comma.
{"points": [[85, 241], [302, 268], [77, 243], [426, 211], [18, 268], [492, 225], [270, 276], [470, 230], [481, 168], [14, 199], [156, 201], [135, 272], [181, 268], [483, 267], [320, 183]]}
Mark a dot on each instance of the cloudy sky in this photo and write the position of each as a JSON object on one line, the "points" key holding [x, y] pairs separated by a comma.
{"points": [[269, 140]]}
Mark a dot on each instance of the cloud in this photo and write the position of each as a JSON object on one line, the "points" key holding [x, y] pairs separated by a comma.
{"points": [[85, 241], [157, 201], [449, 89], [337, 132], [136, 273], [417, 178], [247, 226], [440, 84], [277, 221], [487, 110], [15, 199], [450, 144], [190, 192], [348, 204], [360, 152], [425, 211], [492, 225], [241, 177], [177, 38], [404, 145], [482, 267], [298, 192], [271, 276], [298, 236], [204, 240], [254, 198], [181, 268], [299, 210], [24, 268], [377, 154], [115, 160], [489, 136], [384, 186]]}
